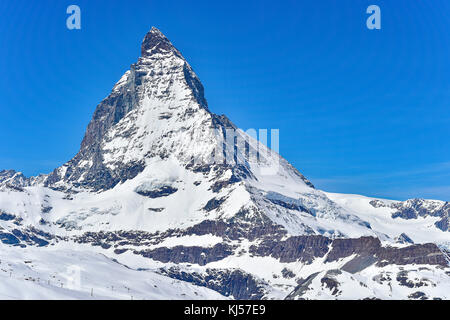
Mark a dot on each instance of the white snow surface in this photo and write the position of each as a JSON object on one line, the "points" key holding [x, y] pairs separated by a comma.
{"points": [[66, 272]]}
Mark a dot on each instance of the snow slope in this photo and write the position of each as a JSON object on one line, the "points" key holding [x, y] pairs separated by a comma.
{"points": [[64, 272]]}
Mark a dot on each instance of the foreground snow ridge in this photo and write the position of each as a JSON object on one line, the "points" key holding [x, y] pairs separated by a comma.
{"points": [[145, 211]]}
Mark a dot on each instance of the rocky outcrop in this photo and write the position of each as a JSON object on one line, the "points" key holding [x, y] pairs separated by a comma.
{"points": [[367, 250], [182, 254], [26, 237], [6, 216], [371, 247], [231, 283], [301, 248], [415, 208], [403, 238], [13, 179], [213, 204], [363, 246], [302, 288], [158, 68], [163, 191]]}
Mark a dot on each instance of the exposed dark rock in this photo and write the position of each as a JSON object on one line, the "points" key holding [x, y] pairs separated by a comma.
{"points": [[288, 274], [237, 229], [195, 85], [411, 209], [213, 204], [6, 217], [403, 238], [17, 221], [418, 295], [402, 278], [368, 246], [427, 253], [29, 238], [13, 180], [368, 250], [14, 187], [301, 248], [359, 263], [157, 193], [182, 254], [405, 213], [290, 206], [230, 283], [214, 227], [444, 223], [414, 208], [345, 247], [302, 287], [382, 277], [377, 204], [46, 209], [6, 175], [219, 185], [8, 238], [329, 281], [222, 121], [165, 116]]}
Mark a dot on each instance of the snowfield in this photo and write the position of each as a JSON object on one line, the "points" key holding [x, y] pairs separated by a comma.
{"points": [[65, 273]]}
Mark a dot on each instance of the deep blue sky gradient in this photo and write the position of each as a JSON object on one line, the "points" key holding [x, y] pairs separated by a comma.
{"points": [[359, 111]]}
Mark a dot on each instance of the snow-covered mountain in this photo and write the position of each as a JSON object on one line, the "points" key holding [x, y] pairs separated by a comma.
{"points": [[164, 189]]}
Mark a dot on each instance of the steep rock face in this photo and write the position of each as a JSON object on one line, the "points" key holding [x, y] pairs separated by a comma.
{"points": [[371, 247], [14, 180], [123, 131], [195, 254], [231, 283], [302, 248], [157, 109]]}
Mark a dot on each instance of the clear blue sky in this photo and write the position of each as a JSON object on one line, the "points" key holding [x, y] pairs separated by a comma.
{"points": [[359, 111]]}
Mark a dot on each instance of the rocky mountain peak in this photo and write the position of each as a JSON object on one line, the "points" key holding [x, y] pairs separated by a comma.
{"points": [[144, 116], [156, 42]]}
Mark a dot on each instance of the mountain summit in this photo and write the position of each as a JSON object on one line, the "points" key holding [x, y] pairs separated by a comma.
{"points": [[129, 126], [156, 42], [163, 184]]}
